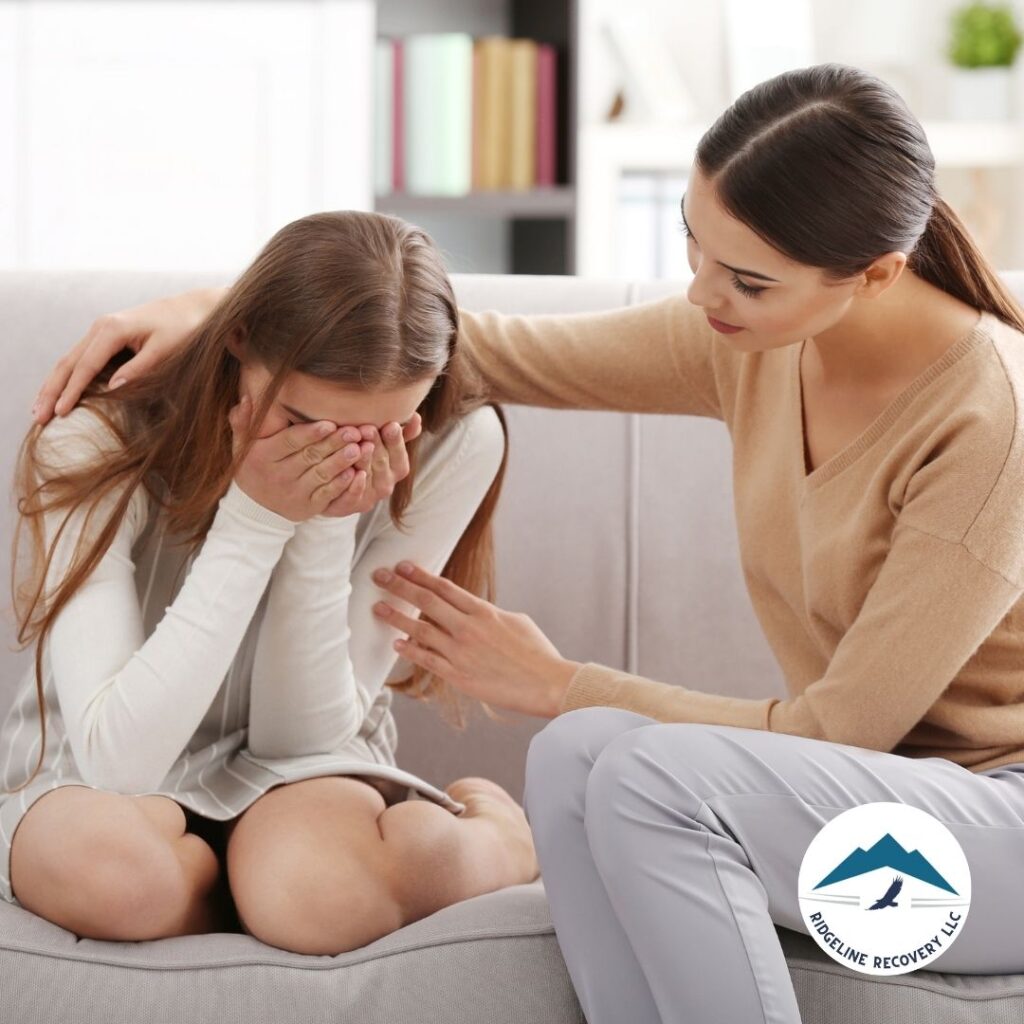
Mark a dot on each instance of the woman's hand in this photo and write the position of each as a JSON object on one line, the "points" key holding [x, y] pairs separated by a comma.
{"points": [[152, 330], [497, 656]]}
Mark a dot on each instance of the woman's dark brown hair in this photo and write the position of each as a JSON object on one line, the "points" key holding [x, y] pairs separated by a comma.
{"points": [[828, 165], [360, 299]]}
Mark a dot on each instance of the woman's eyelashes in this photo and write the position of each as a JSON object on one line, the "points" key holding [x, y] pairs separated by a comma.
{"points": [[744, 289]]}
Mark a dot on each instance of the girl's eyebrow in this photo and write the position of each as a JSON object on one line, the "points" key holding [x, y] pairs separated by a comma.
{"points": [[309, 419], [298, 415]]}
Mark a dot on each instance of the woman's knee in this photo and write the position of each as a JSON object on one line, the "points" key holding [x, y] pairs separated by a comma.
{"points": [[562, 753], [637, 772], [587, 729]]}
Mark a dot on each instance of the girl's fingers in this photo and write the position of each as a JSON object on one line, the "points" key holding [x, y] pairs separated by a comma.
{"points": [[290, 442], [381, 456], [413, 428], [350, 501], [365, 456], [394, 439], [335, 463]]}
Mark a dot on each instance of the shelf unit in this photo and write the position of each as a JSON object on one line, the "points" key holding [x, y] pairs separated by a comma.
{"points": [[519, 232], [573, 228]]}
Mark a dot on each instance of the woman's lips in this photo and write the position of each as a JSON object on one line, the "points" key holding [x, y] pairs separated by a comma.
{"points": [[724, 328]]}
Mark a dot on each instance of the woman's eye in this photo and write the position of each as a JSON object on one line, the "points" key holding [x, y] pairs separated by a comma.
{"points": [[744, 289]]}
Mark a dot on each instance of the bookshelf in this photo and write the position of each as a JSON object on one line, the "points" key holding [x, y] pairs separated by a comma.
{"points": [[577, 226], [515, 231]]}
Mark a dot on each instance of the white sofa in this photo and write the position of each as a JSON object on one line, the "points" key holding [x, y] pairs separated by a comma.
{"points": [[616, 534]]}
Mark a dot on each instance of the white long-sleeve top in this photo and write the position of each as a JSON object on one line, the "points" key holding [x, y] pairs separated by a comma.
{"points": [[213, 677]]}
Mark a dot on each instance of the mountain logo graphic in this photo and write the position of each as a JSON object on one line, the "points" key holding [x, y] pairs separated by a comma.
{"points": [[890, 857]]}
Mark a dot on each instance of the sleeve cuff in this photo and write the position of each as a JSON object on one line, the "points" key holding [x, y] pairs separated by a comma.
{"points": [[238, 501]]}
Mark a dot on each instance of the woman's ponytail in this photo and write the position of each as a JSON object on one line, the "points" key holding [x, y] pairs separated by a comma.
{"points": [[947, 256]]}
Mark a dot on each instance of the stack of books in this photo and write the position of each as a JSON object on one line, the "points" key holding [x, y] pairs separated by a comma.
{"points": [[456, 114]]}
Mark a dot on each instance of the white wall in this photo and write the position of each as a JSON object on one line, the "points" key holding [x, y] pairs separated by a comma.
{"points": [[177, 135]]}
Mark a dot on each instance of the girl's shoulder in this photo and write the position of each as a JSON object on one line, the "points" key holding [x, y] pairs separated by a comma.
{"points": [[79, 437], [477, 434], [83, 438], [469, 448], [482, 430]]}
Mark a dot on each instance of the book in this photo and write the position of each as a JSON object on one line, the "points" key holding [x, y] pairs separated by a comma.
{"points": [[547, 115], [522, 114], [438, 113]]}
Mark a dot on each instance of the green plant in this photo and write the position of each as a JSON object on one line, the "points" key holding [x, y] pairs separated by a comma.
{"points": [[983, 35]]}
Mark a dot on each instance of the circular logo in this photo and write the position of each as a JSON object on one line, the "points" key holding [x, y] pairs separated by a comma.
{"points": [[884, 888]]}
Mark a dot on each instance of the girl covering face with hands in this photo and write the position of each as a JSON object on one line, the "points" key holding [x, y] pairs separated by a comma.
{"points": [[204, 740]]}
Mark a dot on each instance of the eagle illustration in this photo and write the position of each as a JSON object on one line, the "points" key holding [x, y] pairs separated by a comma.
{"points": [[889, 899]]}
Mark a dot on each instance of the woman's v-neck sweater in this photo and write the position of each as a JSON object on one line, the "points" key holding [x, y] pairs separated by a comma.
{"points": [[888, 581]]}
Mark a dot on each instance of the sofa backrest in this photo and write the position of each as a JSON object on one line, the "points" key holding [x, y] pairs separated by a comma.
{"points": [[615, 531]]}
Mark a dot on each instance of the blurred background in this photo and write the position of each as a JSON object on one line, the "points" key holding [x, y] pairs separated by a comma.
{"points": [[526, 136]]}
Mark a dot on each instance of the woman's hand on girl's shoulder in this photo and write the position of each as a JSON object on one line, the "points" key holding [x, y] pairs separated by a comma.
{"points": [[152, 330]]}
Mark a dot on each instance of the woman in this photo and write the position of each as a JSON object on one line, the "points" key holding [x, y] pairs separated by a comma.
{"points": [[225, 745], [869, 365]]}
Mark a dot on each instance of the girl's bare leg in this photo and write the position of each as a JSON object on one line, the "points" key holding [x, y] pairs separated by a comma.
{"points": [[439, 858], [324, 865], [206, 908]]}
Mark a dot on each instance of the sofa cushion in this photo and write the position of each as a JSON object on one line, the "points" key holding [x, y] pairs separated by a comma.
{"points": [[488, 960]]}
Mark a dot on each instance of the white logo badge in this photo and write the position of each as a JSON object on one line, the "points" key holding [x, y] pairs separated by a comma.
{"points": [[885, 888]]}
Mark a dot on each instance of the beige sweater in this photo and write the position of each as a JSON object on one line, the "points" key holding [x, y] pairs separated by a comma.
{"points": [[888, 581]]}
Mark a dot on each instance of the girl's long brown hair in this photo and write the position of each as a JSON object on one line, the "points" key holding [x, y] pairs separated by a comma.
{"points": [[829, 166], [361, 299]]}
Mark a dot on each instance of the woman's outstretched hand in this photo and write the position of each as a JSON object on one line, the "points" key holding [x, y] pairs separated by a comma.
{"points": [[496, 656], [153, 330]]}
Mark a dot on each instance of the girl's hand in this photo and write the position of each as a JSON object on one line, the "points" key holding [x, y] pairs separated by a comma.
{"points": [[497, 656], [300, 471], [384, 461], [152, 330]]}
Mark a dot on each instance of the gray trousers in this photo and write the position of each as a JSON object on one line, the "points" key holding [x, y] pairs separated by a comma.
{"points": [[669, 851]]}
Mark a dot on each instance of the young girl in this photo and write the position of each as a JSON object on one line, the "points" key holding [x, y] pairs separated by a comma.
{"points": [[206, 729], [869, 365]]}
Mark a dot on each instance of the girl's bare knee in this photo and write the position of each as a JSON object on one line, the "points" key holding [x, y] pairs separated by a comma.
{"points": [[316, 915], [92, 862], [137, 895]]}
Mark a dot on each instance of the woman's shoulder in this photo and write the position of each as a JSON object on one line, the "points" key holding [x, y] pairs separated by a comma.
{"points": [[1005, 351], [968, 478]]}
